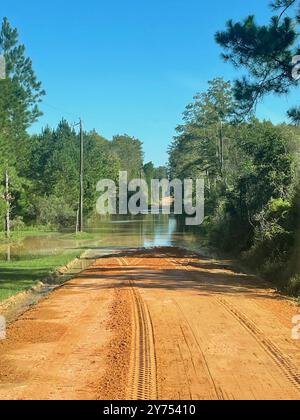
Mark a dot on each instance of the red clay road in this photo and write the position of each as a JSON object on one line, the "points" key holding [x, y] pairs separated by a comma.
{"points": [[154, 324]]}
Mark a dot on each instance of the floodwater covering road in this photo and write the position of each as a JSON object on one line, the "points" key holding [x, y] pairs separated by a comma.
{"points": [[159, 323], [105, 235]]}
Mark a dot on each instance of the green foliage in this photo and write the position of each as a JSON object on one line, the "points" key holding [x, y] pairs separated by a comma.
{"points": [[130, 154], [212, 106], [294, 115], [199, 146], [269, 181], [293, 286], [251, 207], [18, 224], [54, 211], [265, 51], [151, 172], [20, 92], [161, 172], [54, 171]]}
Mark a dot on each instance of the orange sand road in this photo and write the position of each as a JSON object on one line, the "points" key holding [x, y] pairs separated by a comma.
{"points": [[151, 324]]}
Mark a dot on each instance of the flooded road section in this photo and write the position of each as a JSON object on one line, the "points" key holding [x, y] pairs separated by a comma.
{"points": [[23, 264], [105, 236]]}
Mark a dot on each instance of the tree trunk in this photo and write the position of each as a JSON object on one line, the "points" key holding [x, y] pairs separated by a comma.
{"points": [[221, 149]]}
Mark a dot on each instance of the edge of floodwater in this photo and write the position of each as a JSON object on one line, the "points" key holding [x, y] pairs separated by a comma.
{"points": [[15, 306]]}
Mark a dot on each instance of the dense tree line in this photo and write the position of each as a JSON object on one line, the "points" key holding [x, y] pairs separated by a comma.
{"points": [[251, 167], [251, 186]]}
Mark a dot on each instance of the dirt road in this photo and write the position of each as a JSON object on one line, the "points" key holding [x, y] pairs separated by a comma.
{"points": [[151, 324]]}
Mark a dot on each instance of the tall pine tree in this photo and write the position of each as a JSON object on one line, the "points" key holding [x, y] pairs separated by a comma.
{"points": [[20, 95], [265, 51]]}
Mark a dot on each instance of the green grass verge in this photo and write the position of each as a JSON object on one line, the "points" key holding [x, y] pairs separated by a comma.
{"points": [[17, 276], [26, 270]]}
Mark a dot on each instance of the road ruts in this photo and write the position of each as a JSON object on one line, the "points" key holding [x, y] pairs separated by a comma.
{"points": [[158, 323], [290, 371], [142, 372], [284, 363]]}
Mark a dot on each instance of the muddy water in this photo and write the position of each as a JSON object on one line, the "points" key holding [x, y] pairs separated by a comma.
{"points": [[105, 236]]}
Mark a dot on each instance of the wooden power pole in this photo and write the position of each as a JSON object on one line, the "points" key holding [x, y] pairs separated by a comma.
{"points": [[7, 199], [81, 193]]}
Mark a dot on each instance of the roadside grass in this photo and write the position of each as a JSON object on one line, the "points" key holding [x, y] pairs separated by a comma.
{"points": [[25, 270], [20, 275]]}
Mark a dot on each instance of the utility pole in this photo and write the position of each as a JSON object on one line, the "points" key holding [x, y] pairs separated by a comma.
{"points": [[80, 227], [7, 198], [79, 216]]}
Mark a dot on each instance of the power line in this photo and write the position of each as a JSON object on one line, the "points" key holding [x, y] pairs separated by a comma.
{"points": [[60, 110]]}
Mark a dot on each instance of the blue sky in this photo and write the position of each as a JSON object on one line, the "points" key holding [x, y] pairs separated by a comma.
{"points": [[130, 66]]}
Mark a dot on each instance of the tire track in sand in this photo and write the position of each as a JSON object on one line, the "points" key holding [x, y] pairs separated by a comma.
{"points": [[142, 373], [286, 366], [282, 361]]}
